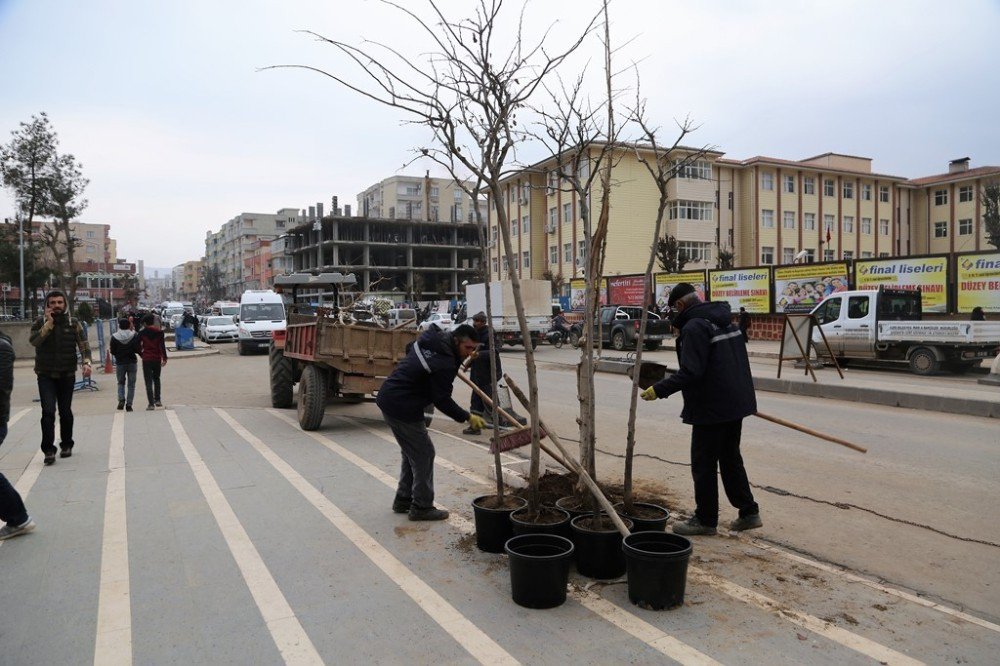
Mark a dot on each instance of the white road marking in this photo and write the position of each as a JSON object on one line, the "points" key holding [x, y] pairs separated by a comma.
{"points": [[114, 610], [291, 639], [27, 479], [482, 648], [17, 417], [852, 641]]}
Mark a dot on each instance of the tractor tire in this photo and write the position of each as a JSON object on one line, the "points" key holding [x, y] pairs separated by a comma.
{"points": [[618, 341], [924, 362], [282, 371], [312, 397]]}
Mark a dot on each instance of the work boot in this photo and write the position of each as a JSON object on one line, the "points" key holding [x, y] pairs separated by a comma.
{"points": [[66, 453], [50, 459], [693, 527], [471, 431], [416, 513], [121, 405], [128, 408], [401, 504], [742, 523]]}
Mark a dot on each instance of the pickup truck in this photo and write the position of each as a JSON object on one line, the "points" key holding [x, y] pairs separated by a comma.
{"points": [[886, 325], [620, 328]]}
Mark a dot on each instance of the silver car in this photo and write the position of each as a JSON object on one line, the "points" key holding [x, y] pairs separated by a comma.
{"points": [[219, 328]]}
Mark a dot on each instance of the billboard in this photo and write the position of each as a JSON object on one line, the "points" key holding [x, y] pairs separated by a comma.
{"points": [[577, 294], [929, 274], [749, 288], [978, 279], [664, 282], [800, 288], [626, 289]]}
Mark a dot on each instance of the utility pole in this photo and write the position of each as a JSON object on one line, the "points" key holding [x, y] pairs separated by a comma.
{"points": [[20, 238]]}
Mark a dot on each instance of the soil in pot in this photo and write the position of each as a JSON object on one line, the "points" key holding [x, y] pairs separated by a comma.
{"points": [[598, 546], [657, 564], [645, 517], [493, 526], [573, 504], [548, 520], [539, 569]]}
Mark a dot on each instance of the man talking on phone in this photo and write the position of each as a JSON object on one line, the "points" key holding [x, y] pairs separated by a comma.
{"points": [[56, 337]]}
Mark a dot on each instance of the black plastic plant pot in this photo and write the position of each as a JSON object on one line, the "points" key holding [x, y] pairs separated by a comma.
{"points": [[521, 525], [657, 569], [645, 522], [571, 505], [539, 569], [493, 526], [598, 552]]}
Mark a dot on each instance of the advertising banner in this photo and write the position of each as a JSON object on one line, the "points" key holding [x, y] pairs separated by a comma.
{"points": [[801, 287], [666, 281], [978, 281], [577, 294], [748, 288], [929, 274], [626, 289]]}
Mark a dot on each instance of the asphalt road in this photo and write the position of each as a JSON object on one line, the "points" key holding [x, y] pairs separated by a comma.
{"points": [[216, 531]]}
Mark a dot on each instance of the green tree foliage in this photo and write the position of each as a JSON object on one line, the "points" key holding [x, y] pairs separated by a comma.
{"points": [[85, 313], [35, 274], [726, 259], [668, 254], [211, 284], [990, 199]]}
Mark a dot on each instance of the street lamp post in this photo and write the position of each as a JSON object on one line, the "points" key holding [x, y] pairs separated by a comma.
{"points": [[20, 238]]}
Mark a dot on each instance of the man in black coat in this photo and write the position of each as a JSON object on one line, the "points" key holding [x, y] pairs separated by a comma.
{"points": [[745, 324], [480, 370], [714, 378], [424, 377], [12, 512]]}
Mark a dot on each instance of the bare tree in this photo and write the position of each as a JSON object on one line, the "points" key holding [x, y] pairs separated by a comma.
{"points": [[65, 203]]}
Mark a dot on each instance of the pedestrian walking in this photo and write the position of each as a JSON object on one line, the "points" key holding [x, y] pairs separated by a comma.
{"points": [[57, 338], [124, 347], [424, 377], [745, 324], [153, 350], [978, 314], [12, 512], [480, 370], [714, 379]]}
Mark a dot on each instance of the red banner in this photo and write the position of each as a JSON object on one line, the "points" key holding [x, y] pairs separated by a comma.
{"points": [[626, 289]]}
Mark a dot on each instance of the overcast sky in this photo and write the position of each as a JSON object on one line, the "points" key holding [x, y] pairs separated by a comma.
{"points": [[178, 131]]}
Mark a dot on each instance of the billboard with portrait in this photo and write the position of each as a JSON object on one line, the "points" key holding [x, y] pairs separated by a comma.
{"points": [[978, 281], [626, 289], [664, 282], [929, 274], [748, 288], [800, 287], [578, 292]]}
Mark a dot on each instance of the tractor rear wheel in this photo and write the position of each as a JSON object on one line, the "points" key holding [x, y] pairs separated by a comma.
{"points": [[312, 397], [281, 370]]}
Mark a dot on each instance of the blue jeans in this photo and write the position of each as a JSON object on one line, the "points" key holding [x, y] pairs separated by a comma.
{"points": [[123, 371], [56, 392]]}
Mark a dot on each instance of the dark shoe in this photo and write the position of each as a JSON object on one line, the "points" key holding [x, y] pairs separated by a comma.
{"points": [[150, 408], [471, 431], [158, 403], [121, 405], [401, 504], [66, 453], [8, 531], [693, 527], [50, 459], [746, 523], [427, 514], [128, 408]]}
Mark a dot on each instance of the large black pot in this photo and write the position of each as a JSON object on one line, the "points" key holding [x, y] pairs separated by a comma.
{"points": [[539, 569], [640, 524], [657, 568], [493, 526], [598, 552], [522, 526], [568, 504]]}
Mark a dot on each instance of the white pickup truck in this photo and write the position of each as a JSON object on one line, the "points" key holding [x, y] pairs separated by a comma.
{"points": [[885, 325]]}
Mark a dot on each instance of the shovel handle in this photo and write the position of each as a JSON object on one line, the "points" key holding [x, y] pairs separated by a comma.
{"points": [[810, 431]]}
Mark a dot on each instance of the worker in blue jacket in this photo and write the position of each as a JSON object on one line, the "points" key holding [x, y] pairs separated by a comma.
{"points": [[714, 378], [424, 377]]}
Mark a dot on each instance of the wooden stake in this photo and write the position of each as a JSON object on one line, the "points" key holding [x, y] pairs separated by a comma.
{"points": [[810, 431]]}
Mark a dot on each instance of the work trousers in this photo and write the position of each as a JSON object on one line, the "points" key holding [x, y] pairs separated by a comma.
{"points": [[12, 509], [416, 474], [716, 448], [151, 376], [481, 378], [126, 371], [56, 392]]}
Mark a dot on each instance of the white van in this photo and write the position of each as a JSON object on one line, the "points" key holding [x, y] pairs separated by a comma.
{"points": [[399, 316], [262, 312], [226, 308]]}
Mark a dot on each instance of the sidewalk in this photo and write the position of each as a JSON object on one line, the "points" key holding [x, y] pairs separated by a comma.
{"points": [[200, 350]]}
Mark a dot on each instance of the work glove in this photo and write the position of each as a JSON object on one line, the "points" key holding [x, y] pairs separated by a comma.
{"points": [[648, 394], [476, 422]]}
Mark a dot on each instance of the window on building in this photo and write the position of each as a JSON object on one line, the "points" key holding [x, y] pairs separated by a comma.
{"points": [[965, 227], [787, 255], [809, 221], [514, 227], [866, 225], [828, 223], [828, 255], [526, 225], [848, 254], [581, 249], [493, 265], [789, 221], [883, 227], [91, 234], [940, 230], [457, 194], [554, 255], [730, 201], [526, 259], [505, 263], [697, 169], [848, 189], [866, 255], [883, 254], [567, 252], [695, 251], [965, 194], [766, 180], [848, 224], [279, 224], [883, 193], [828, 190], [553, 216], [767, 219], [788, 184], [567, 213], [809, 185], [940, 197], [90, 249], [435, 191], [493, 234], [866, 192], [691, 210], [766, 254], [810, 255]]}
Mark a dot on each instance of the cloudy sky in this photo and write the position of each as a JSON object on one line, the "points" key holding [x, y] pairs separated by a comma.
{"points": [[178, 130]]}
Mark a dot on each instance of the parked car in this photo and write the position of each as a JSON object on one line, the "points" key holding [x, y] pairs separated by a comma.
{"points": [[219, 328], [619, 325], [442, 320]]}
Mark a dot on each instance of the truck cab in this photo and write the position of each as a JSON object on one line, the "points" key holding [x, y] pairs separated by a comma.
{"points": [[262, 312]]}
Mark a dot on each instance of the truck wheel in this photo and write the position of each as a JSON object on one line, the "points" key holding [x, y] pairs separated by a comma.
{"points": [[923, 362], [618, 341], [240, 349], [281, 370], [312, 397]]}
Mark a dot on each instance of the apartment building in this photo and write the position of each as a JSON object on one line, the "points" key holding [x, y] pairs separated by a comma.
{"points": [[229, 249], [187, 280], [419, 198], [93, 242]]}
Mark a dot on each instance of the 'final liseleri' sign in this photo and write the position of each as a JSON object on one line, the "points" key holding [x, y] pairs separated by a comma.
{"points": [[929, 274]]}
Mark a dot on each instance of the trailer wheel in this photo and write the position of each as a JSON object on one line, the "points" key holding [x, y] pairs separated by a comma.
{"points": [[618, 340], [282, 371], [312, 397], [923, 362]]}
